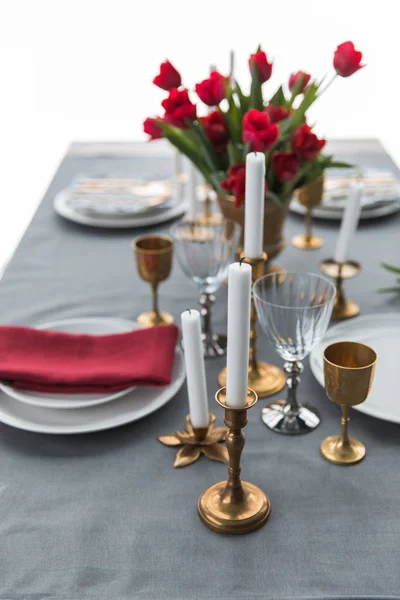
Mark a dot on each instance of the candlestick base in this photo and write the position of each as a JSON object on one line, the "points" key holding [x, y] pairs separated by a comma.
{"points": [[219, 511], [266, 380], [234, 506], [197, 441], [342, 308], [346, 310], [335, 451], [305, 242]]}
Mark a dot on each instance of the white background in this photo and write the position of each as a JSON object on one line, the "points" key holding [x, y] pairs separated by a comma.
{"points": [[82, 70]]}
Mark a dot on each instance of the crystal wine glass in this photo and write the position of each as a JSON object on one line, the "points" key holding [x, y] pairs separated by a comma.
{"points": [[294, 311], [204, 252]]}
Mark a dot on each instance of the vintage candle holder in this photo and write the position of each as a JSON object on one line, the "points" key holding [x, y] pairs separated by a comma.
{"points": [[234, 506], [349, 372], [309, 196], [154, 261], [342, 308], [265, 379], [196, 441]]}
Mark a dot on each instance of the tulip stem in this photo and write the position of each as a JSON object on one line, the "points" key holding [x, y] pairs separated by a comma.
{"points": [[328, 85]]}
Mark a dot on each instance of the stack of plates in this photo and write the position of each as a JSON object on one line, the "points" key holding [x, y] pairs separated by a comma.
{"points": [[82, 413], [381, 195], [115, 201]]}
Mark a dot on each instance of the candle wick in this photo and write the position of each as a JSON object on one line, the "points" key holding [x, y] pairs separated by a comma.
{"points": [[241, 260], [189, 311]]}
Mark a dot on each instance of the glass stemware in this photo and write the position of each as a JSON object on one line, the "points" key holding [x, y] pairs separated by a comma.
{"points": [[204, 252], [294, 311]]}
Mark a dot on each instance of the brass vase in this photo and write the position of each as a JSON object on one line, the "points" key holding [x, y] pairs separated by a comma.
{"points": [[274, 221]]}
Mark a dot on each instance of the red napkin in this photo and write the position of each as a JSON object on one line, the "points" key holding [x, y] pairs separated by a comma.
{"points": [[57, 362]]}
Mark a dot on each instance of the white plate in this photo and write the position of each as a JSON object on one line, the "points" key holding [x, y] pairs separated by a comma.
{"points": [[319, 212], [139, 403], [382, 333], [62, 208], [92, 326]]}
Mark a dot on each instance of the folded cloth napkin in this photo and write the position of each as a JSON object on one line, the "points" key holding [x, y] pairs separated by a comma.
{"points": [[57, 362]]}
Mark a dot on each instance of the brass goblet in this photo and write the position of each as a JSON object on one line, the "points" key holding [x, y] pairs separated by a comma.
{"points": [[349, 372], [309, 196], [154, 259]]}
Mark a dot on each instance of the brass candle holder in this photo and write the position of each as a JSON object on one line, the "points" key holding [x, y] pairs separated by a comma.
{"points": [[349, 369], [196, 441], [265, 379], [309, 196], [234, 506], [342, 308]]}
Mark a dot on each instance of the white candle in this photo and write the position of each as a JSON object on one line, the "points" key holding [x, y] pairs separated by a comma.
{"points": [[192, 194], [239, 293], [349, 223], [254, 205], [231, 66], [195, 370]]}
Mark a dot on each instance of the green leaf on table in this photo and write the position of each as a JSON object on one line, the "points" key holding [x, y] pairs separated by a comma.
{"points": [[392, 290], [391, 268], [256, 99]]}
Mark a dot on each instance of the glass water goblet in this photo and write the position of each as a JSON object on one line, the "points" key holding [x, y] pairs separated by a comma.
{"points": [[204, 252], [294, 311]]}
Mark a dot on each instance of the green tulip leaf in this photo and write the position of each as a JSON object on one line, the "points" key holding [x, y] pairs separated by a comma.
{"points": [[256, 99]]}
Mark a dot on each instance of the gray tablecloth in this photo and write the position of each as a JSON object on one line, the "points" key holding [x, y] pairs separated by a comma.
{"points": [[105, 516]]}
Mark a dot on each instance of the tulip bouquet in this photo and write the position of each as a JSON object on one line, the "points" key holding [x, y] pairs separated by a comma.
{"points": [[236, 123]]}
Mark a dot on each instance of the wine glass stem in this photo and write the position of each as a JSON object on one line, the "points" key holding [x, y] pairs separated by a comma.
{"points": [[308, 221], [154, 287], [293, 371], [345, 425], [206, 302]]}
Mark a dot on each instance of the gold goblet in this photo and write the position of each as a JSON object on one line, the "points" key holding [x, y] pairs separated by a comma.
{"points": [[309, 196], [349, 372], [154, 259]]}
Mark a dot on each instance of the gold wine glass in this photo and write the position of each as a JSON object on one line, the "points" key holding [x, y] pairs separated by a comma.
{"points": [[309, 196], [154, 259], [349, 369]]}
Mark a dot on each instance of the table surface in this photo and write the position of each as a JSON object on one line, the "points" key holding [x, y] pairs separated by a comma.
{"points": [[105, 516]]}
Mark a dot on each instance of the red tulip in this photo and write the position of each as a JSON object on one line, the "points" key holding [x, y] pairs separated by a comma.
{"points": [[216, 129], [212, 90], [286, 166], [305, 144], [264, 68], [258, 131], [347, 60], [295, 78], [168, 77], [276, 113], [178, 108], [151, 127], [235, 183]]}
